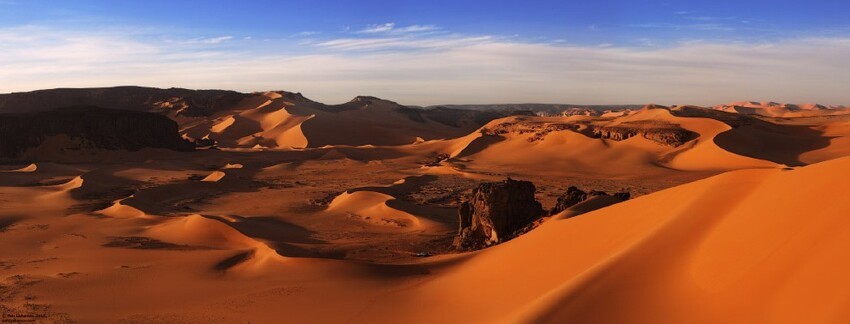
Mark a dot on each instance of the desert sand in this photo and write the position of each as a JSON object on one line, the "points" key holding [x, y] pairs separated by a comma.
{"points": [[305, 212]]}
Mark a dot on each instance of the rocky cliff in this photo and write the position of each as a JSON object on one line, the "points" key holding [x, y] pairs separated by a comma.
{"points": [[88, 128], [172, 101]]}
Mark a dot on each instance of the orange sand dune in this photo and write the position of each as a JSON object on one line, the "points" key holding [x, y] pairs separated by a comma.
{"points": [[372, 207], [29, 168], [747, 246], [570, 151], [215, 176], [199, 231], [773, 109], [838, 134], [120, 210], [272, 120]]}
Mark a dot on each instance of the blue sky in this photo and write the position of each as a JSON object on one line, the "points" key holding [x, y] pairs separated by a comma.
{"points": [[428, 52]]}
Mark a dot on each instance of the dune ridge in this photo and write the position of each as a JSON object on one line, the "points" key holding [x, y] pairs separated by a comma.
{"points": [[736, 246]]}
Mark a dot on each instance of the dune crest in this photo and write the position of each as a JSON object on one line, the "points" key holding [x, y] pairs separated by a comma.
{"points": [[196, 230], [32, 167], [371, 207], [215, 176], [120, 210], [76, 182]]}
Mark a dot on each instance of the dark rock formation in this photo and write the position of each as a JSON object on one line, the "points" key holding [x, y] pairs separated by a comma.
{"points": [[457, 117], [496, 212], [670, 136], [90, 127], [574, 196], [623, 196], [173, 101], [568, 199]]}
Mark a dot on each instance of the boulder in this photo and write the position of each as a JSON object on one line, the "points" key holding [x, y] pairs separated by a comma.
{"points": [[496, 213], [570, 198]]}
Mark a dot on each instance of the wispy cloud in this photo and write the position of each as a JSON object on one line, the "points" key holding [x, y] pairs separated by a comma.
{"points": [[371, 29], [213, 40], [390, 28], [436, 68], [400, 43], [306, 33]]}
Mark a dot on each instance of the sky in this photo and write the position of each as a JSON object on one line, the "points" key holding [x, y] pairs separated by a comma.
{"points": [[439, 52]]}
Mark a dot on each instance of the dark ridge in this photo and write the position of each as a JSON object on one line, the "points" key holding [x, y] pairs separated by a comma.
{"points": [[182, 102], [463, 117], [94, 127], [146, 243]]}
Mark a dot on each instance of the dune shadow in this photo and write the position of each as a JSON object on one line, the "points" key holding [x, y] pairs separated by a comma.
{"points": [[757, 138], [8, 221], [270, 228], [280, 235], [410, 184], [782, 144], [479, 144], [445, 215]]}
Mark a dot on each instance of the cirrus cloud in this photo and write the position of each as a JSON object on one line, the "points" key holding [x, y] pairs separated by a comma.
{"points": [[438, 68]]}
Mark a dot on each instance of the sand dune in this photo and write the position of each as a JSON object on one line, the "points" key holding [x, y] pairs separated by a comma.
{"points": [[567, 150], [232, 166], [838, 135], [784, 110], [76, 182], [119, 210], [372, 207], [736, 247], [197, 230], [264, 121], [279, 120], [29, 168], [215, 176]]}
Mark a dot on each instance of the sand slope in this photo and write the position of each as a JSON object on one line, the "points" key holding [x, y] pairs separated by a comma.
{"points": [[746, 246]]}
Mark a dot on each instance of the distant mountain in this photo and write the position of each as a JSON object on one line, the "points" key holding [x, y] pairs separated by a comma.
{"points": [[175, 101], [277, 119]]}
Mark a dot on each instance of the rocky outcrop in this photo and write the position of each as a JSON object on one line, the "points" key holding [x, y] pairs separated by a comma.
{"points": [[659, 132], [570, 198], [172, 101], [573, 196], [496, 213], [670, 136], [89, 128]]}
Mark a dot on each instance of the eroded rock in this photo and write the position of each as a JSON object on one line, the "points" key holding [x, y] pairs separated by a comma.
{"points": [[670, 136], [496, 212], [573, 196]]}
